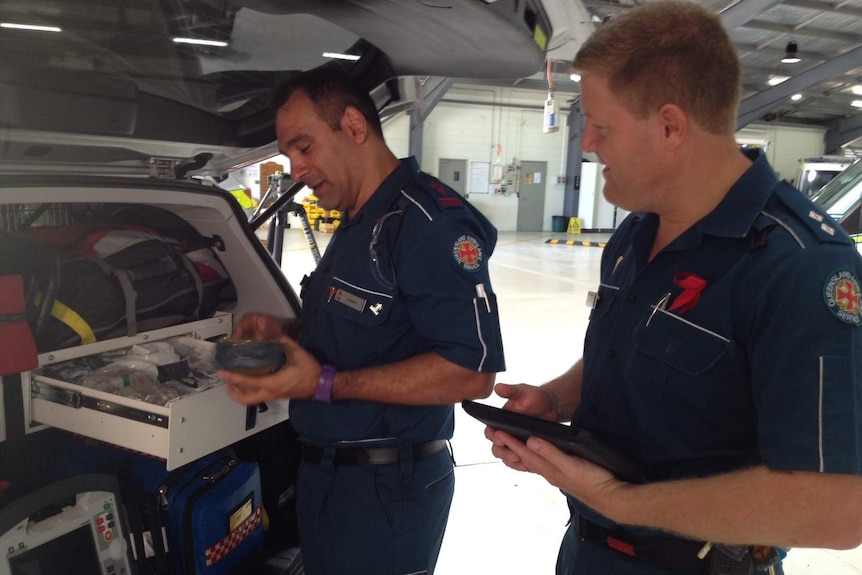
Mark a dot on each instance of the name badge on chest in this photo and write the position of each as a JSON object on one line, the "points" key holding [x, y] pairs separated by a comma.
{"points": [[346, 298]]}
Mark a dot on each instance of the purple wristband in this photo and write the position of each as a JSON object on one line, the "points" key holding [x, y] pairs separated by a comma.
{"points": [[323, 392]]}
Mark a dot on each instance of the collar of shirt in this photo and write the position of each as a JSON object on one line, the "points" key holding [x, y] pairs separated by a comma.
{"points": [[736, 213], [744, 202], [383, 198]]}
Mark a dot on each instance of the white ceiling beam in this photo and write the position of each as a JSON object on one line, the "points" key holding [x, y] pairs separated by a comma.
{"points": [[754, 107], [741, 12]]}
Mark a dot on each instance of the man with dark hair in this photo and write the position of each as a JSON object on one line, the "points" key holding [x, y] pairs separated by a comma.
{"points": [[724, 351], [399, 323], [332, 91]]}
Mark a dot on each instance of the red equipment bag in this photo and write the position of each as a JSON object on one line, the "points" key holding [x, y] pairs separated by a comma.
{"points": [[16, 339]]}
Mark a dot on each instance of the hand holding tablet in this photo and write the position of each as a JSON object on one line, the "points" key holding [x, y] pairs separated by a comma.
{"points": [[572, 440]]}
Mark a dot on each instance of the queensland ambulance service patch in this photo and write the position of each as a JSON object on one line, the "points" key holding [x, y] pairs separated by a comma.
{"points": [[843, 297], [468, 252]]}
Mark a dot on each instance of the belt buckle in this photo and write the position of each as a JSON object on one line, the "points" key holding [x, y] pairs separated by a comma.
{"points": [[362, 456], [351, 456]]}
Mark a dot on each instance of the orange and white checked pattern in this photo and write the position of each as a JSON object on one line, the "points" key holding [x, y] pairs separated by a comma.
{"points": [[218, 551]]}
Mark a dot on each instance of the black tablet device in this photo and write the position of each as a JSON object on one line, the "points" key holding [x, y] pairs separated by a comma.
{"points": [[249, 356], [572, 440]]}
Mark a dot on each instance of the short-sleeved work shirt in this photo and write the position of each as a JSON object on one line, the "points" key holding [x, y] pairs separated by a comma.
{"points": [[424, 287], [739, 344]]}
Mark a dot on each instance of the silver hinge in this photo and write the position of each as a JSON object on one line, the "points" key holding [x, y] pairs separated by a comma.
{"points": [[164, 168]]}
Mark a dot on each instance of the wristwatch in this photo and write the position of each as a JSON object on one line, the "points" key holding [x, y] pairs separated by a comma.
{"points": [[323, 392]]}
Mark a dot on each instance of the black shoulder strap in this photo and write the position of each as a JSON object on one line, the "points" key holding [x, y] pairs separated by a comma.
{"points": [[157, 534]]}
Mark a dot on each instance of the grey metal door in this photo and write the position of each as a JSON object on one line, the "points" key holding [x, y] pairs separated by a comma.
{"points": [[453, 173], [531, 196]]}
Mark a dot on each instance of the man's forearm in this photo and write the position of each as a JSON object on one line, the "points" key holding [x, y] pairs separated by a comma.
{"points": [[752, 506], [564, 391], [427, 379]]}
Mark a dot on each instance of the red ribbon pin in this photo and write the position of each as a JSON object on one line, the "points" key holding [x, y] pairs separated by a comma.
{"points": [[692, 285]]}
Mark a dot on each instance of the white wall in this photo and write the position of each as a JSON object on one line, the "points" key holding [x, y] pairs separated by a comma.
{"points": [[501, 209], [504, 125], [512, 119], [786, 145]]}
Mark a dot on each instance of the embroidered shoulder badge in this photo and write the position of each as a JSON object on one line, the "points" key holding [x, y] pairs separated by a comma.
{"points": [[443, 197], [468, 253], [842, 296]]}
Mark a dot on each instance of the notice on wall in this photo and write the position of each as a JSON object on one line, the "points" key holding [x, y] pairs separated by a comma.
{"points": [[480, 177], [497, 174]]}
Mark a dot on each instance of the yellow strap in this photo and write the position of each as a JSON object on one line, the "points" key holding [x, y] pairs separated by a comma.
{"points": [[75, 322]]}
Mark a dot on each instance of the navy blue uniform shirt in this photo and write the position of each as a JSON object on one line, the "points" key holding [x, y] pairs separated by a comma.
{"points": [[424, 287], [760, 362]]}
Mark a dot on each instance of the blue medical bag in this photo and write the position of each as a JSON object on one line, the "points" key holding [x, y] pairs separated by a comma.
{"points": [[205, 518]]}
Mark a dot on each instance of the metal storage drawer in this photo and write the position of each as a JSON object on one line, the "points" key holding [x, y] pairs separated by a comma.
{"points": [[187, 428]]}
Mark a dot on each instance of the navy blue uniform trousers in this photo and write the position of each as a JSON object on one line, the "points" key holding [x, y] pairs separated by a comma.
{"points": [[374, 519]]}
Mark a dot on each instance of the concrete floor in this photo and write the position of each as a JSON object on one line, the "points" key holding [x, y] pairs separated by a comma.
{"points": [[502, 521]]}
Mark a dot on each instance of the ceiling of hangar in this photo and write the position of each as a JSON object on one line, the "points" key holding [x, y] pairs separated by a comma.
{"points": [[828, 35]]}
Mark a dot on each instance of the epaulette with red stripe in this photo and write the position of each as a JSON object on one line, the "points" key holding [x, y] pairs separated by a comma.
{"points": [[443, 195]]}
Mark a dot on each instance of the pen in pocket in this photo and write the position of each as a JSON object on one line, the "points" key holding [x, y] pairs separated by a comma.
{"points": [[662, 304], [480, 292]]}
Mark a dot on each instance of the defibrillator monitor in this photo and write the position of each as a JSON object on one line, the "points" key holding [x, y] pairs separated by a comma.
{"points": [[71, 527]]}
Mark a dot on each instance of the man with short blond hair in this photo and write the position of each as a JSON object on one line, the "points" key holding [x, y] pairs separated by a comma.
{"points": [[724, 351]]}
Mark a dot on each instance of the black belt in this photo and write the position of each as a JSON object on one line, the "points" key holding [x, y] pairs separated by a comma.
{"points": [[674, 555], [370, 455]]}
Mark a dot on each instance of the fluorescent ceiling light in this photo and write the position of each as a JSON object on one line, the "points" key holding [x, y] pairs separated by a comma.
{"points": [[200, 42], [857, 103], [339, 56], [796, 97], [776, 80], [575, 77], [30, 27], [857, 89]]}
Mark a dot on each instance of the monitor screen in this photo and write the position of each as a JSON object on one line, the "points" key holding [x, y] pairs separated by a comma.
{"points": [[69, 527], [71, 554]]}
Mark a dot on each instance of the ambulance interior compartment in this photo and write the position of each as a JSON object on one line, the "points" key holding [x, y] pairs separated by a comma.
{"points": [[194, 424]]}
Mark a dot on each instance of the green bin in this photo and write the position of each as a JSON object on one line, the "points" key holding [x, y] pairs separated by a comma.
{"points": [[559, 223]]}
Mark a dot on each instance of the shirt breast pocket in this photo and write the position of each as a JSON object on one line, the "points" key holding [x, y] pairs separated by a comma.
{"points": [[677, 343], [350, 302], [602, 301]]}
